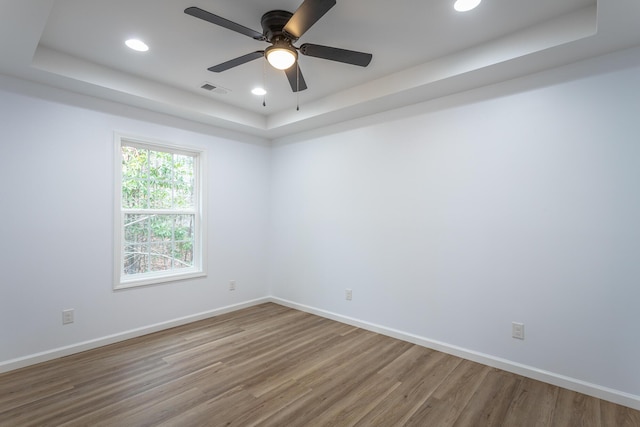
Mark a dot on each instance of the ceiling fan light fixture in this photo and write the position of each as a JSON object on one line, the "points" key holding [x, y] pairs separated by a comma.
{"points": [[281, 29], [466, 5], [281, 55], [258, 91]]}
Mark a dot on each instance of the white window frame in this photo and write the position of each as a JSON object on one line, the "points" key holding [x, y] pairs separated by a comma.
{"points": [[122, 281]]}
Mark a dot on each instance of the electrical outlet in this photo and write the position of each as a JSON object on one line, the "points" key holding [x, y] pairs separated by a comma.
{"points": [[517, 330], [348, 294], [67, 316], [232, 285]]}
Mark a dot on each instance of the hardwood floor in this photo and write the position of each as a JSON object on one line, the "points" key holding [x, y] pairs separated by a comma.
{"points": [[273, 366]]}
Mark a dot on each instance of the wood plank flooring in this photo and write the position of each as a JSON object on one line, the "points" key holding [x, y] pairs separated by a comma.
{"points": [[269, 365]]}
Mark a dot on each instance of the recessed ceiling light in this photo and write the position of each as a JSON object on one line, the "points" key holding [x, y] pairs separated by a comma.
{"points": [[136, 44], [258, 91], [466, 5]]}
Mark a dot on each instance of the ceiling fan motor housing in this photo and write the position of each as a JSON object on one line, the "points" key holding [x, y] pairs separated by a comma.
{"points": [[273, 23]]}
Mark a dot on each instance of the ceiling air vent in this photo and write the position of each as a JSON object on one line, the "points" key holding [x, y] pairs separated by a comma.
{"points": [[209, 87]]}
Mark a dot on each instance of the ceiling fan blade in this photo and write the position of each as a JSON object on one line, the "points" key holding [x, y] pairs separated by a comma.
{"points": [[309, 12], [218, 20], [335, 54], [237, 61], [295, 78]]}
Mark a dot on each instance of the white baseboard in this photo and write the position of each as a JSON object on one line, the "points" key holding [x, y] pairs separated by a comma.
{"points": [[44, 356], [600, 392]]}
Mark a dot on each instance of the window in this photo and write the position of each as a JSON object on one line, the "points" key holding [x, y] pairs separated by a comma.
{"points": [[159, 213]]}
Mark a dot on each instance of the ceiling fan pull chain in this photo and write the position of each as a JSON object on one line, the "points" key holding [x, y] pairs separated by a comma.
{"points": [[264, 82], [297, 86]]}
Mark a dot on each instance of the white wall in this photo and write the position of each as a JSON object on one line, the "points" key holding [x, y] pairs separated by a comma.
{"points": [[449, 220], [500, 205], [56, 221]]}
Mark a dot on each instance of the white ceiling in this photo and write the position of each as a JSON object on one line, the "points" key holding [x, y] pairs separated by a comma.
{"points": [[421, 49]]}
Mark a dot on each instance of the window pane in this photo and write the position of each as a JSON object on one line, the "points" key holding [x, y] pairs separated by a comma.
{"points": [[183, 165], [160, 195], [136, 228], [158, 242], [183, 196], [183, 255], [183, 181], [161, 228], [160, 166], [184, 227], [160, 256], [135, 194], [136, 259], [135, 162]]}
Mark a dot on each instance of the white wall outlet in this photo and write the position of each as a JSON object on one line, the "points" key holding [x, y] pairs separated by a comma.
{"points": [[348, 294], [67, 316], [517, 330], [232, 285]]}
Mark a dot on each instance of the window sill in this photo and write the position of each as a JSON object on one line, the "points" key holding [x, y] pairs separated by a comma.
{"points": [[157, 279]]}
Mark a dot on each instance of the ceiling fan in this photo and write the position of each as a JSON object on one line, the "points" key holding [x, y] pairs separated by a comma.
{"points": [[282, 29]]}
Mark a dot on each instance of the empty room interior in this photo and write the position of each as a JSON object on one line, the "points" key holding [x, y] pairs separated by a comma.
{"points": [[429, 216]]}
